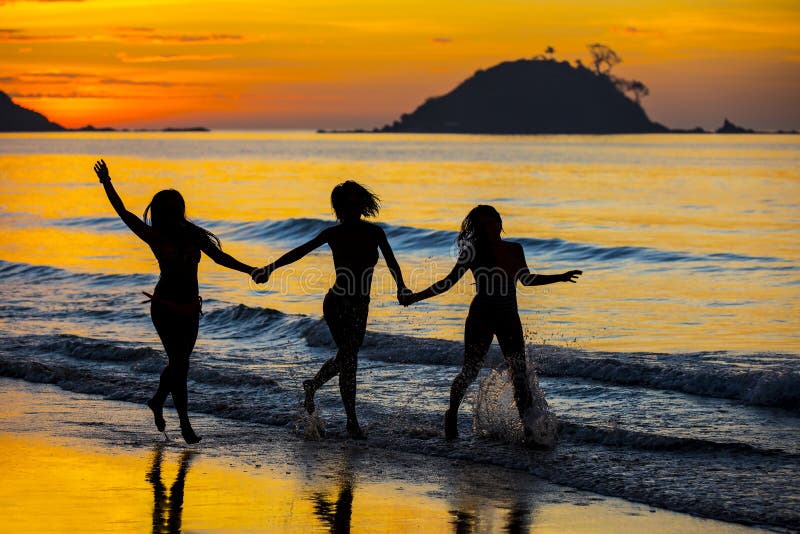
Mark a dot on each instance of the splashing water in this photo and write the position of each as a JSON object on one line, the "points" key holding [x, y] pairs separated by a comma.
{"points": [[310, 425], [496, 414]]}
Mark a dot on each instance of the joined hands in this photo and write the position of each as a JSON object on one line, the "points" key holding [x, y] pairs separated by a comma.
{"points": [[261, 275], [404, 296]]}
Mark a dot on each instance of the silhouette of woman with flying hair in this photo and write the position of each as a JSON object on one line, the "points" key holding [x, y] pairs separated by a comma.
{"points": [[497, 266], [354, 243], [175, 305]]}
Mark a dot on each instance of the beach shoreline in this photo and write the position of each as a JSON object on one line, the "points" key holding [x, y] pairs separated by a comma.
{"points": [[98, 465]]}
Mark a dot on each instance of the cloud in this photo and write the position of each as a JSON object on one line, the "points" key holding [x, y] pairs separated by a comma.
{"points": [[86, 80], [165, 58], [117, 81], [46, 78], [103, 95], [131, 35], [50, 78], [442, 40], [634, 31], [56, 74], [146, 37], [73, 94], [132, 29], [16, 36], [4, 2]]}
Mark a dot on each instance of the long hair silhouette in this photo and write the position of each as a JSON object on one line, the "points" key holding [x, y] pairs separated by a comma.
{"points": [[167, 213]]}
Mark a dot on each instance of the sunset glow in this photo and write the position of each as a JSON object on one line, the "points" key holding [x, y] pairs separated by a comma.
{"points": [[311, 64]]}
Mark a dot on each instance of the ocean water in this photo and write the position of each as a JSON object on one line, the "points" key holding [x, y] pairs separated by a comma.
{"points": [[673, 365]]}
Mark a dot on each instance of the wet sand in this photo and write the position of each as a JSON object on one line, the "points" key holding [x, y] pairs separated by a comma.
{"points": [[79, 463]]}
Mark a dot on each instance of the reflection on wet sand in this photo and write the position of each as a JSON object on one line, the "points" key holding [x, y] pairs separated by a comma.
{"points": [[519, 517], [168, 507], [336, 516], [474, 509]]}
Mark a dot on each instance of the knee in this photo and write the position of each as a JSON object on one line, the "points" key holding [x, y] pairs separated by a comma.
{"points": [[348, 356], [179, 371], [348, 368], [469, 373], [516, 360]]}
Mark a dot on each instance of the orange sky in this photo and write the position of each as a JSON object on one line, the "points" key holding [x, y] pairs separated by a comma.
{"points": [[310, 64]]}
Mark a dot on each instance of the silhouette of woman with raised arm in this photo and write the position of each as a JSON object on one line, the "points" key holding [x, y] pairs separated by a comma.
{"points": [[497, 266], [354, 243], [175, 304]]}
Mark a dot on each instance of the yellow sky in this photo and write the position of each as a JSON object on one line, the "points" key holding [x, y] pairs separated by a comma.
{"points": [[308, 64]]}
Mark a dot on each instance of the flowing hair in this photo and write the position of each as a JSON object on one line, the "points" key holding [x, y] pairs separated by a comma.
{"points": [[368, 204], [167, 214], [468, 241]]}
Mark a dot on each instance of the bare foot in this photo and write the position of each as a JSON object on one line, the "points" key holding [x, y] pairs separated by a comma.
{"points": [[355, 432], [188, 434], [158, 415]]}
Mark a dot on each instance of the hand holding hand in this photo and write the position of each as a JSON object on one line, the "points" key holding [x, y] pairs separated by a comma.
{"points": [[404, 296], [101, 169], [261, 275], [571, 276]]}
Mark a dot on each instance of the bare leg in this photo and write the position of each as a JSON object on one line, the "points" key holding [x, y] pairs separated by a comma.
{"points": [[347, 321], [180, 397], [156, 404], [328, 370], [478, 333], [178, 334], [512, 343], [347, 388]]}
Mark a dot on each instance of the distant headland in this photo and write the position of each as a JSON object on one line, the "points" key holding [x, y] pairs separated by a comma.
{"points": [[542, 96], [16, 118]]}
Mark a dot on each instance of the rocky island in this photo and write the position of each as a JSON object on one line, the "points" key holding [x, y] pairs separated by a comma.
{"points": [[541, 95], [531, 96]]}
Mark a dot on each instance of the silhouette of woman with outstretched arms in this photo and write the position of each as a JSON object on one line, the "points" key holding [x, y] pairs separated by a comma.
{"points": [[175, 305], [497, 266], [354, 243]]}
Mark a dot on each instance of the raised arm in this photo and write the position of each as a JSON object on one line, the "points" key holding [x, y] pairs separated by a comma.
{"points": [[261, 275], [442, 285], [391, 261], [137, 226], [224, 259], [526, 278]]}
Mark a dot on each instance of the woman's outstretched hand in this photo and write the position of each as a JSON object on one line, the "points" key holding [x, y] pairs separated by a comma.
{"points": [[101, 169], [571, 276]]}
